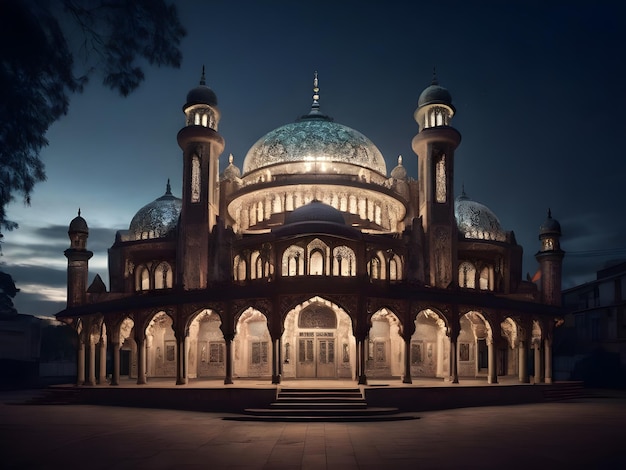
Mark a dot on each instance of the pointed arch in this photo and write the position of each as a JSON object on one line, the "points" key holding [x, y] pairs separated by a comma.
{"points": [[142, 278], [163, 276]]}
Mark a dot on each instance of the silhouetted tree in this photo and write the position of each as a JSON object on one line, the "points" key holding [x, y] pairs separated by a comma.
{"points": [[7, 293], [41, 43]]}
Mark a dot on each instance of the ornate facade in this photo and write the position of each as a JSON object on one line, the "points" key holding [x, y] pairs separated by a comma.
{"points": [[314, 262]]}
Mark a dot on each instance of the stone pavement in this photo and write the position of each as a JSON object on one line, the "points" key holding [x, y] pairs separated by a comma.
{"points": [[585, 433]]}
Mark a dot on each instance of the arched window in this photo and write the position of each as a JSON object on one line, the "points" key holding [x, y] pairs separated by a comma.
{"points": [[163, 276], [205, 120], [467, 275], [254, 257], [440, 180], [316, 263], [293, 261], [375, 268], [195, 178], [142, 278], [239, 268], [395, 268], [344, 261], [485, 282]]}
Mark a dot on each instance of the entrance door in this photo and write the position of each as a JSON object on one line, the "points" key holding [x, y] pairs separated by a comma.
{"points": [[316, 356], [326, 358], [306, 357]]}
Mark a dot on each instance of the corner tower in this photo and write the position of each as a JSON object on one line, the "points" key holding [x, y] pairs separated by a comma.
{"points": [[550, 258], [201, 145], [78, 257], [435, 145]]}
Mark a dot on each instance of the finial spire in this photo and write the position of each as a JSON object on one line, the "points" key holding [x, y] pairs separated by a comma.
{"points": [[549, 213], [202, 77], [399, 160], [434, 81], [316, 92], [230, 159], [168, 188], [79, 212]]}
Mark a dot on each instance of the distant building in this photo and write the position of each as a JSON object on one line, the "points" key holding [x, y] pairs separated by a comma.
{"points": [[591, 344], [312, 261]]}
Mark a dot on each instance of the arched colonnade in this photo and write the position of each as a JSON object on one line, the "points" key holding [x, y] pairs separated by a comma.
{"points": [[313, 338]]}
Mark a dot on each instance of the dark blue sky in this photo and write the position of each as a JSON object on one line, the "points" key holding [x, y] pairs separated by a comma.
{"points": [[538, 88]]}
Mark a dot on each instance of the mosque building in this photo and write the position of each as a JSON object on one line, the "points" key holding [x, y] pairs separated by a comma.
{"points": [[313, 261]]}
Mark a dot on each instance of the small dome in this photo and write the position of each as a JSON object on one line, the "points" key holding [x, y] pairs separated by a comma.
{"points": [[231, 172], [157, 219], [78, 224], [315, 211], [399, 172], [476, 221], [435, 94], [201, 94], [550, 226]]}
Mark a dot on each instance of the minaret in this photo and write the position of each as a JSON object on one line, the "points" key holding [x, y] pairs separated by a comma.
{"points": [[435, 145], [77, 262], [202, 146], [550, 258]]}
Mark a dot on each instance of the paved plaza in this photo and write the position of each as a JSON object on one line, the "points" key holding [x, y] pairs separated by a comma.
{"points": [[584, 433]]}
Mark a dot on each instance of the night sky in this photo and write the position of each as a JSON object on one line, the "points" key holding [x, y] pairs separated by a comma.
{"points": [[539, 89]]}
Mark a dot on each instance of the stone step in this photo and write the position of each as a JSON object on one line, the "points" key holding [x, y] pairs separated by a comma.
{"points": [[321, 412], [318, 405]]}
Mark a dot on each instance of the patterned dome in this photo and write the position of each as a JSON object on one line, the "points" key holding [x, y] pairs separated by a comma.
{"points": [[78, 224], [435, 94], [550, 226], [476, 221], [314, 138], [157, 219]]}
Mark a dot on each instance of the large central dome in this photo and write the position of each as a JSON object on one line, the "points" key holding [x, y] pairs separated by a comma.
{"points": [[314, 139]]}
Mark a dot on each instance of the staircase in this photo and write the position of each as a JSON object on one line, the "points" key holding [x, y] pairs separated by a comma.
{"points": [[320, 404]]}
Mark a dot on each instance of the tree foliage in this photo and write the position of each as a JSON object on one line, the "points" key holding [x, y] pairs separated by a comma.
{"points": [[48, 50]]}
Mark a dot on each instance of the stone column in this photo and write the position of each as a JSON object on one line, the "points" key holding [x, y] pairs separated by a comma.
{"points": [[362, 341], [538, 370], [80, 362], [228, 338], [181, 359], [91, 365], [102, 370], [276, 365], [454, 364], [547, 346], [141, 360], [492, 374], [115, 377], [407, 361], [523, 362]]}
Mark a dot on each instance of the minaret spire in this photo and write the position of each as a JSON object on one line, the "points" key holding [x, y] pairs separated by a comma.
{"points": [[202, 77], [168, 187]]}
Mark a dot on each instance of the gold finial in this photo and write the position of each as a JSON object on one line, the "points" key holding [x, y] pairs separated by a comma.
{"points": [[230, 159], [316, 91], [399, 160]]}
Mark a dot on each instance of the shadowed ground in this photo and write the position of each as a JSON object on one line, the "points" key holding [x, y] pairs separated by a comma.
{"points": [[583, 433]]}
